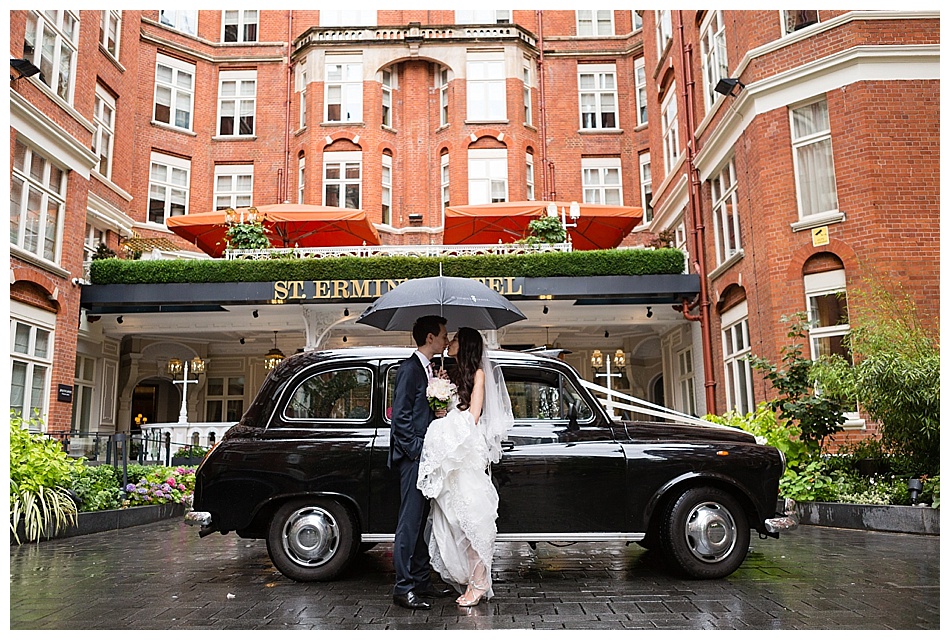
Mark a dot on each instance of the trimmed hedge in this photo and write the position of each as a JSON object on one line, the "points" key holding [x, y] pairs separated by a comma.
{"points": [[612, 262]]}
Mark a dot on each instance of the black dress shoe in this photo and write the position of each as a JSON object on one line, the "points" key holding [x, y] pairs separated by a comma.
{"points": [[433, 591], [411, 600]]}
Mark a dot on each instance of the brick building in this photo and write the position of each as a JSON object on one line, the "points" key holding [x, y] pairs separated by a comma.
{"points": [[778, 188]]}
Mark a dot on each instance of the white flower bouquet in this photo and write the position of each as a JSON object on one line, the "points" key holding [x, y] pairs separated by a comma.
{"points": [[439, 393]]}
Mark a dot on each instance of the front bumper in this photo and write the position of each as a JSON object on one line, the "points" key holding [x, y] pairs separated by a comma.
{"points": [[785, 522]]}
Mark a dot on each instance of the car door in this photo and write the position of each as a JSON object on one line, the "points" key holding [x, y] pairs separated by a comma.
{"points": [[554, 477], [384, 483]]}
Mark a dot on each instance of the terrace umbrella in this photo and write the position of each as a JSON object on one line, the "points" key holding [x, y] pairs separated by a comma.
{"points": [[463, 302], [286, 225], [599, 226]]}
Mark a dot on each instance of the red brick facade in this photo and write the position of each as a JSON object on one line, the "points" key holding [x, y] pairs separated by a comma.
{"points": [[884, 135]]}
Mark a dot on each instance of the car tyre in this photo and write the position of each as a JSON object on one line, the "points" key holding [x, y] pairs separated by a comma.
{"points": [[312, 539], [706, 533]]}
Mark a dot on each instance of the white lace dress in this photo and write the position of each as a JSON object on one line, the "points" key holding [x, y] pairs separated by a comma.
{"points": [[453, 472]]}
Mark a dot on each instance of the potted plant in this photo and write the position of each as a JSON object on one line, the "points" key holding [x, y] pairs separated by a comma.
{"points": [[189, 455]]}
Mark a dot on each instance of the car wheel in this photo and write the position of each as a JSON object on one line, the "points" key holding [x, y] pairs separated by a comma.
{"points": [[311, 540], [706, 534]]}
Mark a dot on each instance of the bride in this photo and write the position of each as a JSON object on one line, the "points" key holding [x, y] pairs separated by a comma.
{"points": [[453, 470]]}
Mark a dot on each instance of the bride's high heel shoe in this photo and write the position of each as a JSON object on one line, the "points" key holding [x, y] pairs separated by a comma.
{"points": [[470, 598]]}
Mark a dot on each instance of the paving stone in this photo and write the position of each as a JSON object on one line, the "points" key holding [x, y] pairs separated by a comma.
{"points": [[161, 576]]}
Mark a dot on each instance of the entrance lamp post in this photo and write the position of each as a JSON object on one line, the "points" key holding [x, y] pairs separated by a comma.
{"points": [[174, 367]]}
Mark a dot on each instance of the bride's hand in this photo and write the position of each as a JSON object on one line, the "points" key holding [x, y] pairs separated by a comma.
{"points": [[440, 413]]}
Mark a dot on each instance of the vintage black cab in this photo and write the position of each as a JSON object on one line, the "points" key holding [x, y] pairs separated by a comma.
{"points": [[306, 470]]}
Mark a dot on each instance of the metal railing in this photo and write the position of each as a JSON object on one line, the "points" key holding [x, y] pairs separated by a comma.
{"points": [[418, 250]]}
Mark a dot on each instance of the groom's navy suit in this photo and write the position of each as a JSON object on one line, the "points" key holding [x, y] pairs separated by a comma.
{"points": [[410, 421]]}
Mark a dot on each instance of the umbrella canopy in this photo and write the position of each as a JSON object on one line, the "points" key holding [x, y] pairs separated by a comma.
{"points": [[600, 226], [461, 301], [287, 225]]}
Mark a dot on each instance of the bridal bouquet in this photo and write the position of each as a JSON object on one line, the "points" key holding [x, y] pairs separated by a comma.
{"points": [[439, 393]]}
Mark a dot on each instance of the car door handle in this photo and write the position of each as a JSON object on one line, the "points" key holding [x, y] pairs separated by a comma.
{"points": [[507, 445]]}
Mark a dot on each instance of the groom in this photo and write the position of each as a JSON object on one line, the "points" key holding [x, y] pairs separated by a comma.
{"points": [[410, 421]]}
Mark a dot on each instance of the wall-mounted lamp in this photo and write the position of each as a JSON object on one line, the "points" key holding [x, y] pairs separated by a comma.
{"points": [[726, 86], [25, 68], [649, 312], [119, 320], [274, 356], [346, 311]]}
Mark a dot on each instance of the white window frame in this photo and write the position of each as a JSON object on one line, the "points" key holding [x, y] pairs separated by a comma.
{"points": [[348, 18], [601, 92], [685, 382], [602, 181], [237, 100], [444, 172], [670, 129], [31, 359], [812, 203], [736, 347], [725, 199], [225, 398], [37, 203], [386, 197], [103, 139], [664, 29], [637, 21], [646, 187], [388, 82], [246, 21], [343, 162], [485, 87], [302, 89], [526, 76], [343, 74], [712, 41], [819, 285], [84, 384], [171, 176], [487, 176], [185, 21], [181, 91], [529, 176], [594, 22], [443, 80], [51, 42], [94, 237], [110, 32], [790, 21], [482, 16], [640, 78], [679, 240], [233, 186], [301, 178]]}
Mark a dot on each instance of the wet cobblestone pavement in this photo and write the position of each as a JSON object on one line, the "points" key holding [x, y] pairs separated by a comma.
{"points": [[162, 576]]}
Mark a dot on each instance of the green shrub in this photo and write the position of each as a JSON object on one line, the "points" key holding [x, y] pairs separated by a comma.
{"points": [[97, 487], [40, 473], [192, 451], [783, 435], [626, 262], [808, 482]]}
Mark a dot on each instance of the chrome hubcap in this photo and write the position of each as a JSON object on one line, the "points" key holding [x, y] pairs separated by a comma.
{"points": [[710, 532], [311, 536]]}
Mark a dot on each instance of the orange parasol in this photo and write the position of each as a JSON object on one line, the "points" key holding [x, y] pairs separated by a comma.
{"points": [[599, 226], [287, 225]]}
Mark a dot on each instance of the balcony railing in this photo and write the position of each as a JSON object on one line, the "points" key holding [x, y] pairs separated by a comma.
{"points": [[418, 250], [413, 32]]}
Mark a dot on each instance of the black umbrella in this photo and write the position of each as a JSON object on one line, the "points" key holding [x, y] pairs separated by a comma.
{"points": [[461, 301]]}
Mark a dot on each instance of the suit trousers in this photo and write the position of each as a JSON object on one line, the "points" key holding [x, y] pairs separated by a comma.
{"points": [[410, 549]]}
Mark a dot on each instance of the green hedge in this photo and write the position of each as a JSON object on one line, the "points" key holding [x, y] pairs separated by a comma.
{"points": [[612, 262]]}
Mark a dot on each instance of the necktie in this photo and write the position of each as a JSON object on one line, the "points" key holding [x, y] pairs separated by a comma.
{"points": [[429, 370]]}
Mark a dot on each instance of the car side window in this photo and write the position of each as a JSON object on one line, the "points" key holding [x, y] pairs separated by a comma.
{"points": [[340, 394], [544, 395]]}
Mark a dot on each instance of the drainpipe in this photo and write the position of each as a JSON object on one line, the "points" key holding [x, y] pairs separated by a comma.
{"points": [[542, 126], [696, 215], [282, 190]]}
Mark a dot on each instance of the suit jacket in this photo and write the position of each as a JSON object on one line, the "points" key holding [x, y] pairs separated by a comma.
{"points": [[411, 411]]}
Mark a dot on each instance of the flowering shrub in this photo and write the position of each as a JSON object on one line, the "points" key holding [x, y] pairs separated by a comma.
{"points": [[192, 451], [162, 485]]}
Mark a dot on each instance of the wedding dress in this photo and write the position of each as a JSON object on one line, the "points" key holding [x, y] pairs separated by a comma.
{"points": [[454, 473]]}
